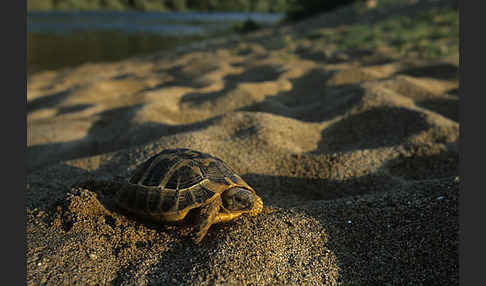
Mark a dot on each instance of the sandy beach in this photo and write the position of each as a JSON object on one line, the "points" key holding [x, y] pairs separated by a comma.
{"points": [[355, 155]]}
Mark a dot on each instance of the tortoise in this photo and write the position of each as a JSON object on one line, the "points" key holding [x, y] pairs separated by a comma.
{"points": [[168, 185]]}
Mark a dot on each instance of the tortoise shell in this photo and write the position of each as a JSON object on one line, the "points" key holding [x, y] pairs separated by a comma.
{"points": [[176, 181]]}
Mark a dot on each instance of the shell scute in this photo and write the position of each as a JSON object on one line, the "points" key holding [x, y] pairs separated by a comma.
{"points": [[127, 199], [183, 178], [185, 200], [153, 203], [202, 194], [168, 201], [213, 172]]}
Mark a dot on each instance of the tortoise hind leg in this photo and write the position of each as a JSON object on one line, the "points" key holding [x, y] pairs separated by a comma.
{"points": [[208, 215]]}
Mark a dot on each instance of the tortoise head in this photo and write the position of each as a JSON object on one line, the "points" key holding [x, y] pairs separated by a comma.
{"points": [[243, 200]]}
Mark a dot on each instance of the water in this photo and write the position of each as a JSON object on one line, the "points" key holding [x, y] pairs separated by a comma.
{"points": [[62, 39]]}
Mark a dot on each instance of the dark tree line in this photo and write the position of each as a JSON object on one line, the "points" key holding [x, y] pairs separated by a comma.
{"points": [[296, 9]]}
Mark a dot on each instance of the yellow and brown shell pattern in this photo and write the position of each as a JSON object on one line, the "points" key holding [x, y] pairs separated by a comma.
{"points": [[176, 181]]}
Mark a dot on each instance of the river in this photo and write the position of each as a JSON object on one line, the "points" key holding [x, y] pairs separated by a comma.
{"points": [[65, 39]]}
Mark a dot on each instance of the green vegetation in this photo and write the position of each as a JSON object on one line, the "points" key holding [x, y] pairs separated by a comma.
{"points": [[429, 34], [277, 43]]}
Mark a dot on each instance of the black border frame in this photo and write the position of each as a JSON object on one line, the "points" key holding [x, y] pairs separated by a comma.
{"points": [[14, 18], [471, 195]]}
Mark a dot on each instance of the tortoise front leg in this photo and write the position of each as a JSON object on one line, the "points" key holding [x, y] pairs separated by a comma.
{"points": [[226, 217], [208, 215]]}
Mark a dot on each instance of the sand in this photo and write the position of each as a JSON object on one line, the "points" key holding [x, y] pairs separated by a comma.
{"points": [[355, 156]]}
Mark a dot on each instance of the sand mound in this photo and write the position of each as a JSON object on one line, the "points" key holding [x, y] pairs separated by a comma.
{"points": [[355, 159]]}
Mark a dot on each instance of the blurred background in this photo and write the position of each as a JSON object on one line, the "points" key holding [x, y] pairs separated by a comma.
{"points": [[66, 33], [70, 32]]}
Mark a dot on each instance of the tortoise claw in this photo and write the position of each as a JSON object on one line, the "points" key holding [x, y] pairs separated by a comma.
{"points": [[197, 238]]}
